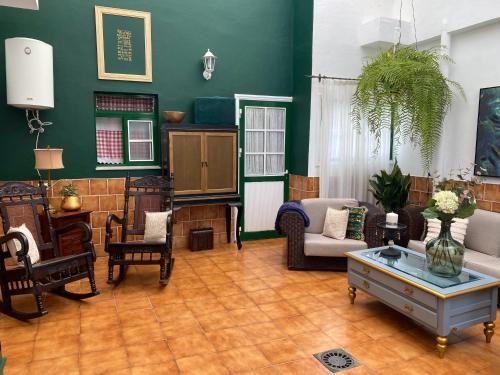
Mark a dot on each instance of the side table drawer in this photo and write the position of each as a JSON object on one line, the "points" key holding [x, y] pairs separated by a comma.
{"points": [[408, 290], [406, 306]]}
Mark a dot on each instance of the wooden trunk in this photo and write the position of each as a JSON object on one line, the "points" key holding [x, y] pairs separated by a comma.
{"points": [[201, 239]]}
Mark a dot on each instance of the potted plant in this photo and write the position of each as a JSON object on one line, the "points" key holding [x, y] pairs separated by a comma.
{"points": [[453, 199], [391, 190], [404, 90], [71, 200]]}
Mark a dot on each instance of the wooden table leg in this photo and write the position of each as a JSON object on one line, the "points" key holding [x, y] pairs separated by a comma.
{"points": [[441, 344], [489, 330], [352, 294]]}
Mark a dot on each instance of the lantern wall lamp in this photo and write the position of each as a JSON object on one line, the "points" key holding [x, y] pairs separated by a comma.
{"points": [[209, 64]]}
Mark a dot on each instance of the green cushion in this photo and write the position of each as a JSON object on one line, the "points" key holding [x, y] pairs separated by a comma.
{"points": [[356, 222]]}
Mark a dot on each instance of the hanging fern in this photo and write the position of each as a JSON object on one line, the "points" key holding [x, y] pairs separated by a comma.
{"points": [[404, 89]]}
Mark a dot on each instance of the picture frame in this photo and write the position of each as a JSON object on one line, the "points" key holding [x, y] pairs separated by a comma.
{"points": [[123, 39], [487, 160]]}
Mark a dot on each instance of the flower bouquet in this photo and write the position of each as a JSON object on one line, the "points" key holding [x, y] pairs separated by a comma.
{"points": [[453, 199]]}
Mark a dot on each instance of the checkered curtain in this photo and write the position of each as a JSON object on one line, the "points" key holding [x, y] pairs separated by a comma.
{"points": [[125, 104], [109, 137]]}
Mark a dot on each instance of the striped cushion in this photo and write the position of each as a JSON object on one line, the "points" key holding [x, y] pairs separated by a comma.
{"points": [[458, 229]]}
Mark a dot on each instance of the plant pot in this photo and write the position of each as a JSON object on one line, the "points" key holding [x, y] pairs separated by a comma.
{"points": [[444, 255], [71, 203]]}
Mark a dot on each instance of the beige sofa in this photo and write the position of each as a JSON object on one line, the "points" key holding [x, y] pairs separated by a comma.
{"points": [[308, 249], [482, 242]]}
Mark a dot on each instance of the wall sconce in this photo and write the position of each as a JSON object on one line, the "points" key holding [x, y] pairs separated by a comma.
{"points": [[209, 64]]}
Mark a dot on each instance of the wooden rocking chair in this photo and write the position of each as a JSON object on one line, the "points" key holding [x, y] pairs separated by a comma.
{"points": [[151, 194], [20, 204]]}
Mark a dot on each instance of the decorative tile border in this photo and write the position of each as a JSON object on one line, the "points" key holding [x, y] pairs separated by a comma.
{"points": [[103, 196]]}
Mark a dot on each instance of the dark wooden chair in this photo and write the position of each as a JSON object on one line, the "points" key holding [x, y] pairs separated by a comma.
{"points": [[153, 194], [20, 204]]}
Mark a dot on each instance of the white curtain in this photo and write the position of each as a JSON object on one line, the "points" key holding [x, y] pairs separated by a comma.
{"points": [[347, 158]]}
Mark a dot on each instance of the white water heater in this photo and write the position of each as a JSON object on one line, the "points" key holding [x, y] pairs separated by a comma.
{"points": [[29, 71]]}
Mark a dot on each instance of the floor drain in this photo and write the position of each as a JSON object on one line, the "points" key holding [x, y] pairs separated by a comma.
{"points": [[337, 360]]}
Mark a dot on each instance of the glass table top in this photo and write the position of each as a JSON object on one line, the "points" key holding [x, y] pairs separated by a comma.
{"points": [[414, 265]]}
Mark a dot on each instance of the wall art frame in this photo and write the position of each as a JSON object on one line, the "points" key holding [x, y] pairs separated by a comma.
{"points": [[487, 158], [123, 38]]}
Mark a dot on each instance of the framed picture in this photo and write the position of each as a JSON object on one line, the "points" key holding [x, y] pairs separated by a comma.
{"points": [[123, 44], [488, 133]]}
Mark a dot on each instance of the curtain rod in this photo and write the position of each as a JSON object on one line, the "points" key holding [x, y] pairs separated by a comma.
{"points": [[320, 77]]}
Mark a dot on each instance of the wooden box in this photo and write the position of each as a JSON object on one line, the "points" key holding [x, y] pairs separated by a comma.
{"points": [[201, 239]]}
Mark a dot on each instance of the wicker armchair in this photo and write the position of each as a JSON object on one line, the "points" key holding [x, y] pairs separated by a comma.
{"points": [[412, 217], [292, 225]]}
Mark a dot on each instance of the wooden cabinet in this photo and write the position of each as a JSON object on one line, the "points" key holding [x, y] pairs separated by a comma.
{"points": [[203, 162], [69, 243]]}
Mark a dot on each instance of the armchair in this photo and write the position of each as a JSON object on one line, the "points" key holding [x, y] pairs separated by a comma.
{"points": [[19, 204], [308, 250], [152, 194]]}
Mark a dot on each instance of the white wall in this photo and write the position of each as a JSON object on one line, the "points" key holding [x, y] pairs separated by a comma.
{"points": [[474, 31]]}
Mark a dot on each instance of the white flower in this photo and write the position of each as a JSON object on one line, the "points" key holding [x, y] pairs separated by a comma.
{"points": [[446, 201]]}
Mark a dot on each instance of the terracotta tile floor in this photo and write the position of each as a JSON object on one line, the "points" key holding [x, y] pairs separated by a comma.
{"points": [[229, 312]]}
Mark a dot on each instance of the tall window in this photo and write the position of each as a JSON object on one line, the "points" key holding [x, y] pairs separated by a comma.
{"points": [[126, 129]]}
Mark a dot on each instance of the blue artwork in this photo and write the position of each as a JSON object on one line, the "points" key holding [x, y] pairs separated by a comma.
{"points": [[488, 133]]}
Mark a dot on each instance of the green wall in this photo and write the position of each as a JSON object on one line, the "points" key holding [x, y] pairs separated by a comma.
{"points": [[254, 41], [302, 66]]}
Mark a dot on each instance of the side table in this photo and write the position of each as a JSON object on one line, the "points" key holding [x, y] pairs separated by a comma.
{"points": [[68, 243]]}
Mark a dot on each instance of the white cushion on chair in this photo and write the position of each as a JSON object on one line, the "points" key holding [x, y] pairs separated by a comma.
{"points": [[14, 245], [156, 226]]}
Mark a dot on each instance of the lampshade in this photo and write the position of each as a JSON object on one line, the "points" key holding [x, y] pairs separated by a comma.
{"points": [[48, 158]]}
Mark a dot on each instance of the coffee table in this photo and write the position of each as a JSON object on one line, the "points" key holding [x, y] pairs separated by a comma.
{"points": [[437, 303]]}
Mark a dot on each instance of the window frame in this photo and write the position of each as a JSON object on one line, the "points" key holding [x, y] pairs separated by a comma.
{"points": [[266, 130], [125, 117]]}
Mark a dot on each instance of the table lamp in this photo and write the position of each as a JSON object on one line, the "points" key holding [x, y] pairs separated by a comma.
{"points": [[48, 159]]}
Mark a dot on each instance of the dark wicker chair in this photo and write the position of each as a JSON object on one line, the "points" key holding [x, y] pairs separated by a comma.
{"points": [[154, 194], [20, 204], [292, 225], [412, 217]]}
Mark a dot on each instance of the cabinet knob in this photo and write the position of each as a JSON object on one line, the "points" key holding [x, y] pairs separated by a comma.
{"points": [[366, 270], [366, 285], [408, 308], [408, 291]]}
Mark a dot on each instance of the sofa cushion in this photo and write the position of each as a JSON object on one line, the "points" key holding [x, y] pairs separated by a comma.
{"points": [[483, 263], [458, 229], [321, 246], [316, 208], [483, 233], [417, 246], [356, 223], [335, 223]]}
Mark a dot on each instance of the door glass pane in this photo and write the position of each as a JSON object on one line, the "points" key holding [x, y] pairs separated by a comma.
{"points": [[275, 164], [140, 151], [275, 142], [109, 140], [275, 118], [254, 165], [139, 130], [255, 118], [254, 141]]}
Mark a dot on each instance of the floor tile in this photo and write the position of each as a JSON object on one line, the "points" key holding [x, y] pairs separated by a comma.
{"points": [[60, 346], [293, 325], [263, 332], [243, 359], [142, 334], [206, 364], [101, 340], [280, 309], [187, 346], [280, 351], [55, 366], [228, 338]]}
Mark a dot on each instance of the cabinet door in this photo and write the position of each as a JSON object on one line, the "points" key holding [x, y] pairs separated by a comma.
{"points": [[220, 162], [186, 157]]}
